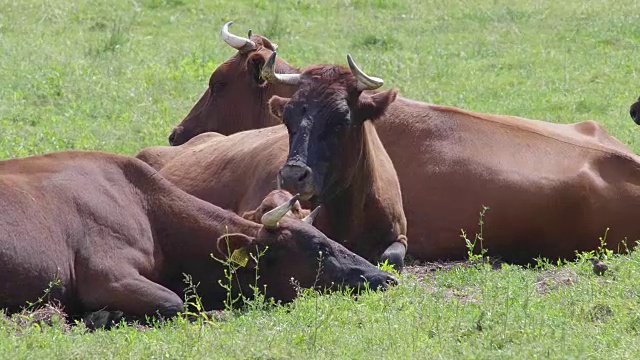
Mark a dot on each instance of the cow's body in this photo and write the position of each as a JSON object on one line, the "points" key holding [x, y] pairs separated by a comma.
{"points": [[551, 188], [118, 236]]}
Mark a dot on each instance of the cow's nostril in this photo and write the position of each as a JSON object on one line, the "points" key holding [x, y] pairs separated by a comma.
{"points": [[304, 176], [633, 114], [172, 138]]}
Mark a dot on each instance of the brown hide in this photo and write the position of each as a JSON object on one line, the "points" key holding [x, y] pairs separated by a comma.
{"points": [[118, 236], [552, 189]]}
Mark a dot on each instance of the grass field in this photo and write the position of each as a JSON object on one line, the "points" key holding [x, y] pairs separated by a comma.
{"points": [[117, 75]]}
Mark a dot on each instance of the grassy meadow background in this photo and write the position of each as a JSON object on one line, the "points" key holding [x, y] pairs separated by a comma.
{"points": [[118, 75]]}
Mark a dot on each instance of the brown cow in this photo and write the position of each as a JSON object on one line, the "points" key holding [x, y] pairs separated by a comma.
{"points": [[118, 237], [634, 111], [530, 173], [235, 82]]}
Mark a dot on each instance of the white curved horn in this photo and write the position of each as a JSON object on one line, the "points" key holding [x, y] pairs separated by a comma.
{"points": [[365, 82], [312, 216], [270, 219], [237, 42], [269, 74]]}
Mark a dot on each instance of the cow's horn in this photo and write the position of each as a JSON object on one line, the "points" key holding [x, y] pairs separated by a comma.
{"points": [[269, 74], [236, 42], [270, 219], [365, 82], [312, 216]]}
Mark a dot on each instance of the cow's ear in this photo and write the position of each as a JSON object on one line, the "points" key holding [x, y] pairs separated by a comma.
{"points": [[251, 215], [236, 248], [276, 105], [371, 107], [255, 62]]}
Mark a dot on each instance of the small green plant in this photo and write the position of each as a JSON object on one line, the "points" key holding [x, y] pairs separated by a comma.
{"points": [[471, 245], [603, 252], [47, 295], [390, 268], [239, 259], [194, 309]]}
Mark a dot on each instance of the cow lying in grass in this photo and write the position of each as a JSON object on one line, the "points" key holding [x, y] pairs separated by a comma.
{"points": [[118, 238]]}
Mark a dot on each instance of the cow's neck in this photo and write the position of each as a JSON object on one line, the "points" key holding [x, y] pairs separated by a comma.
{"points": [[346, 208], [187, 227]]}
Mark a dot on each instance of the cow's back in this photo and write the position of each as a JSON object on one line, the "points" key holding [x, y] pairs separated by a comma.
{"points": [[545, 184], [158, 156], [210, 170]]}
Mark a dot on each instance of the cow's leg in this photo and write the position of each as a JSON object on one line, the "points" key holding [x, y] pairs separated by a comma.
{"points": [[127, 294], [395, 254]]}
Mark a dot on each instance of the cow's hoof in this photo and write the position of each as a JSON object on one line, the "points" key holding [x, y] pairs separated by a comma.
{"points": [[394, 255], [102, 319]]}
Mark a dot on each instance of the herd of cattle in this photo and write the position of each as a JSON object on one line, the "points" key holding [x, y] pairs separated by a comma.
{"points": [[387, 177]]}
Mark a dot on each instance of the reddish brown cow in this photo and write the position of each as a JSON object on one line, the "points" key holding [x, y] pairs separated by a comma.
{"points": [[119, 237], [235, 84], [634, 111], [545, 183]]}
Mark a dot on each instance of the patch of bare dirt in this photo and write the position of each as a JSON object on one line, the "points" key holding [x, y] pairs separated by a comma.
{"points": [[49, 314], [551, 280]]}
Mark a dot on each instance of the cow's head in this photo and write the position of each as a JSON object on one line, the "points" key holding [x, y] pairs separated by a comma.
{"points": [[634, 111], [237, 96], [325, 122], [274, 199], [295, 250]]}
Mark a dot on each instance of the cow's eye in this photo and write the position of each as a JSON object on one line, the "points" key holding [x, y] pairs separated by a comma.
{"points": [[303, 109]]}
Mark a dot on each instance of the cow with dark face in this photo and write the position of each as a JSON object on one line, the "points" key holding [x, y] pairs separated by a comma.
{"points": [[336, 158], [237, 95], [634, 111], [119, 237]]}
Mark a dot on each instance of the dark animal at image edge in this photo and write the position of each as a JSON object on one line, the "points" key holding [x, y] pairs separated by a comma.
{"points": [[552, 189], [634, 112], [118, 237]]}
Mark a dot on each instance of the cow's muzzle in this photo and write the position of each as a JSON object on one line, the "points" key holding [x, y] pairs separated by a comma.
{"points": [[174, 135], [297, 179]]}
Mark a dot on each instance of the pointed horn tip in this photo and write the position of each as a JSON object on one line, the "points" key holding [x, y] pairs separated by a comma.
{"points": [[312, 215], [272, 58]]}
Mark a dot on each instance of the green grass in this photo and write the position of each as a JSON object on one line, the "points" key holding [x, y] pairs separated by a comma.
{"points": [[118, 75]]}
